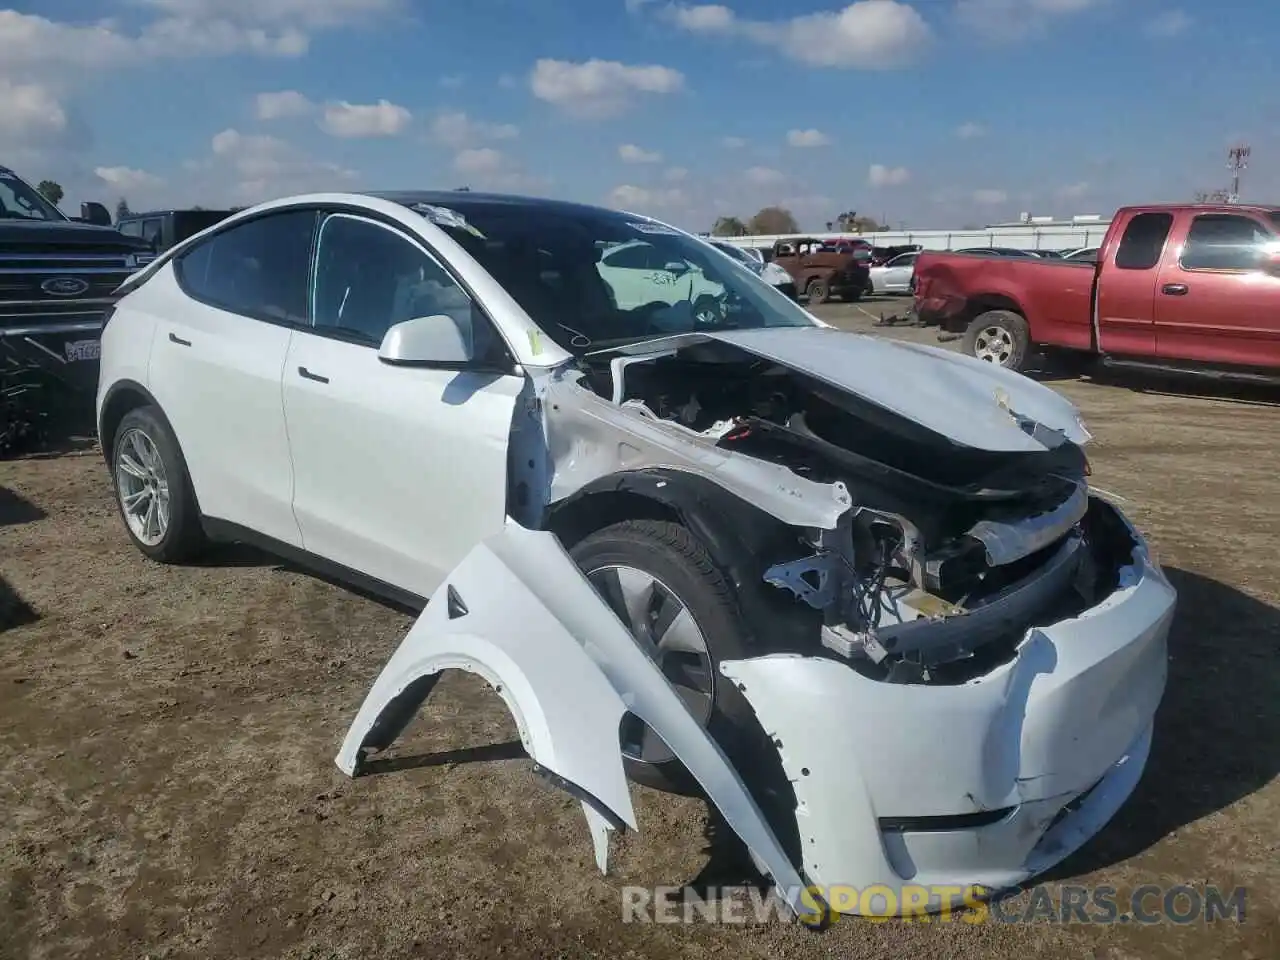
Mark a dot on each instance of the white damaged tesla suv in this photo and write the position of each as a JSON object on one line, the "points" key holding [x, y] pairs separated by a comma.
{"points": [[857, 593]]}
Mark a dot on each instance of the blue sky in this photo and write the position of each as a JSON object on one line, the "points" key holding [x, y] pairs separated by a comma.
{"points": [[925, 112]]}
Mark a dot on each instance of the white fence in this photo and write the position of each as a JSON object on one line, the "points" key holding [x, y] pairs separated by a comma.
{"points": [[1023, 238]]}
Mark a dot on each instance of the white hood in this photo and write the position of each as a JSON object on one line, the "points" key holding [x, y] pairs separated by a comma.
{"points": [[971, 401]]}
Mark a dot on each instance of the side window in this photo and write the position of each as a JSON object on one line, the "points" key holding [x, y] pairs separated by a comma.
{"points": [[637, 257], [370, 277], [151, 229], [258, 268], [906, 260], [132, 228], [1143, 241], [1224, 241]]}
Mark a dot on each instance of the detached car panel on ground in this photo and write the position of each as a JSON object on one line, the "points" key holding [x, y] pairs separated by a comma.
{"points": [[668, 505]]}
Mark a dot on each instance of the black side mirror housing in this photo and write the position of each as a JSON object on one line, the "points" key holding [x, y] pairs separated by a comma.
{"points": [[95, 213]]}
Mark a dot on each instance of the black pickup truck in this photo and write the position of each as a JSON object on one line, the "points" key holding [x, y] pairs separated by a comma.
{"points": [[57, 278], [163, 229]]}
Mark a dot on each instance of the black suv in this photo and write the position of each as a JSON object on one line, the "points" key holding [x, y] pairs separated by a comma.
{"points": [[163, 229]]}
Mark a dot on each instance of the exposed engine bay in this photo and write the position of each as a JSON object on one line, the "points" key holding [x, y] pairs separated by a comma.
{"points": [[948, 553]]}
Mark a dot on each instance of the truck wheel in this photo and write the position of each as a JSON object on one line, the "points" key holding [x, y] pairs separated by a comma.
{"points": [[661, 583], [1000, 337], [817, 291], [153, 490]]}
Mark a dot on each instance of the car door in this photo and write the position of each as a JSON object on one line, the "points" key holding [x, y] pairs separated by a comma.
{"points": [[1127, 285], [1214, 302], [399, 470], [634, 273], [216, 358], [897, 273]]}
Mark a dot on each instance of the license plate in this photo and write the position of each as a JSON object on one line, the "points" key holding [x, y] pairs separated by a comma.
{"points": [[83, 350]]}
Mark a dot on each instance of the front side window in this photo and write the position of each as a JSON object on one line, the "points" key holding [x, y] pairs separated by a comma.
{"points": [[906, 260], [369, 277], [132, 228], [21, 201], [257, 268], [1224, 241]]}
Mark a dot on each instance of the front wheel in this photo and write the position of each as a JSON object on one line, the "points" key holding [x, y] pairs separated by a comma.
{"points": [[153, 490], [1000, 337], [660, 581], [818, 291]]}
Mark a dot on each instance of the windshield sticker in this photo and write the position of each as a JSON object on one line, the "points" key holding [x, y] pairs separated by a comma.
{"points": [[444, 217], [535, 342], [658, 228]]}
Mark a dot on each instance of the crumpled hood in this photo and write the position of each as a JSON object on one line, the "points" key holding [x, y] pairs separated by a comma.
{"points": [[974, 403]]}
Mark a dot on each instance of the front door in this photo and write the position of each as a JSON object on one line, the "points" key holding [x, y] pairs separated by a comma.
{"points": [[1214, 303], [897, 273], [399, 471]]}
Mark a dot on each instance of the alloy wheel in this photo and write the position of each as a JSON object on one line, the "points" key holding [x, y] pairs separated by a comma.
{"points": [[142, 486], [994, 344]]}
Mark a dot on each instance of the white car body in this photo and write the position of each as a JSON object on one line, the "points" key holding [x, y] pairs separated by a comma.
{"points": [[633, 270], [894, 276], [447, 482]]}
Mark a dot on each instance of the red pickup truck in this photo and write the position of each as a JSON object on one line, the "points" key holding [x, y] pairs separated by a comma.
{"points": [[1188, 287]]}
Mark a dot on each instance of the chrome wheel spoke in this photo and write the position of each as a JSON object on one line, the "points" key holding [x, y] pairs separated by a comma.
{"points": [[131, 466], [142, 487]]}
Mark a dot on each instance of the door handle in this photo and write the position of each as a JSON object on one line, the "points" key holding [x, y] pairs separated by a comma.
{"points": [[1174, 289], [308, 375], [174, 338]]}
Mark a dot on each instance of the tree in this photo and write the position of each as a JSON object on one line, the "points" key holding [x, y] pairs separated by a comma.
{"points": [[728, 227], [773, 220], [51, 190], [850, 222], [1212, 196], [122, 209]]}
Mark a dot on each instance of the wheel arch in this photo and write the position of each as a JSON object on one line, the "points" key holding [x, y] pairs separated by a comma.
{"points": [[122, 397], [979, 303]]}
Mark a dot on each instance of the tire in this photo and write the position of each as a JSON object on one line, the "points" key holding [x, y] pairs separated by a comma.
{"points": [[817, 291], [682, 570], [148, 471], [707, 306], [1000, 337]]}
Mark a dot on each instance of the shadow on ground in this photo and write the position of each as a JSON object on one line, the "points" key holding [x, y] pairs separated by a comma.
{"points": [[1217, 737], [16, 509], [14, 611]]}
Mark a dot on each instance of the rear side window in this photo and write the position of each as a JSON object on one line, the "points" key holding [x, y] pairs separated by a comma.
{"points": [[1143, 241], [1224, 241], [132, 228], [258, 268]]}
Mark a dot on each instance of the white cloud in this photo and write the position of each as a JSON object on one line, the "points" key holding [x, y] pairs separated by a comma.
{"points": [[970, 130], [127, 179], [807, 138], [479, 161], [651, 200], [881, 176], [357, 120], [599, 88], [455, 129], [733, 143], [248, 168], [764, 176], [1009, 20], [865, 35], [30, 114], [630, 153], [281, 104], [1171, 23], [675, 174], [990, 197]]}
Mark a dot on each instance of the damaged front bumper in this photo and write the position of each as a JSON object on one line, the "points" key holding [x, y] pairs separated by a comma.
{"points": [[984, 782]]}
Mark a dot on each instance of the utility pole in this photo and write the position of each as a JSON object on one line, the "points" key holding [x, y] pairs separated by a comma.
{"points": [[1237, 160]]}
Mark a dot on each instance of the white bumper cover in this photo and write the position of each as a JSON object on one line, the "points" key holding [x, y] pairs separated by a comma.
{"points": [[986, 783]]}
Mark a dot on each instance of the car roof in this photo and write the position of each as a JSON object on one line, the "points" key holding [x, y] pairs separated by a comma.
{"points": [[464, 198]]}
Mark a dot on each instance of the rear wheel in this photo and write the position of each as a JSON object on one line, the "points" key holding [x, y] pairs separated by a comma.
{"points": [[661, 583], [818, 291], [153, 490], [1000, 337]]}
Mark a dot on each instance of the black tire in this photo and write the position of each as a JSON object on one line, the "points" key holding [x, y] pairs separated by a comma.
{"points": [[707, 305], [182, 537], [817, 291], [999, 336], [670, 554]]}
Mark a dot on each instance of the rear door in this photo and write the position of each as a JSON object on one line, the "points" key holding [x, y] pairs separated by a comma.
{"points": [[216, 358], [1215, 304], [898, 271], [1127, 285]]}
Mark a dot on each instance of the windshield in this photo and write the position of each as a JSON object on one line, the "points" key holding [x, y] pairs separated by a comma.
{"points": [[594, 279], [20, 202]]}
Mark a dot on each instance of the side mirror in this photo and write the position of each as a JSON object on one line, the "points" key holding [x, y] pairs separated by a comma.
{"points": [[435, 341], [678, 267], [95, 213]]}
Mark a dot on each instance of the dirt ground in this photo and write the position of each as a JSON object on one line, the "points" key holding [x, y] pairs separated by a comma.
{"points": [[167, 785]]}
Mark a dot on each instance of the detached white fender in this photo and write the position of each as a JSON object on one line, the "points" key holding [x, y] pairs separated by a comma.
{"points": [[518, 612]]}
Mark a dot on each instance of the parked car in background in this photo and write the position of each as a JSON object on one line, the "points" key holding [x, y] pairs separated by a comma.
{"points": [[711, 554], [1046, 254], [1179, 287], [894, 276], [882, 255], [166, 228], [821, 272], [770, 273], [1084, 253]]}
